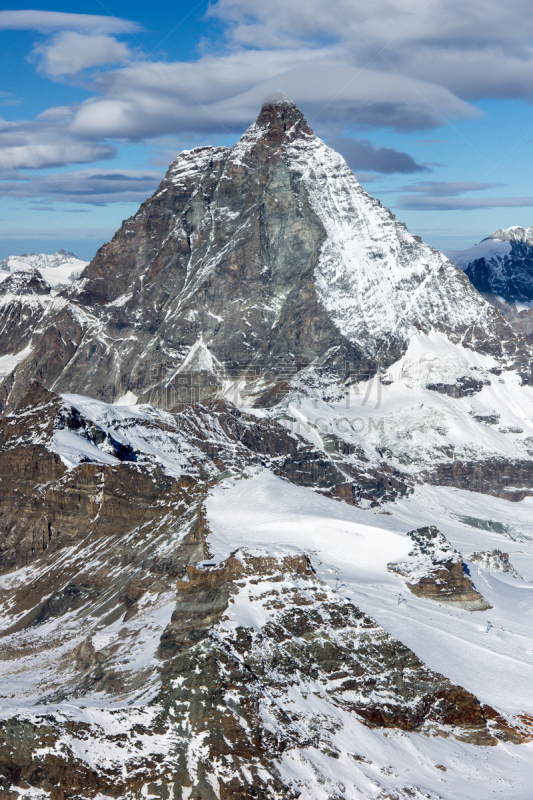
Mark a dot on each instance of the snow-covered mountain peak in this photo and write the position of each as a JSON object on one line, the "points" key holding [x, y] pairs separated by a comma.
{"points": [[501, 266], [278, 108], [56, 268], [204, 598], [278, 99], [379, 283], [279, 122], [272, 255], [513, 234]]}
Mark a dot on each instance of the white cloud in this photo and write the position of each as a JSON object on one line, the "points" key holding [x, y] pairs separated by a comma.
{"points": [[385, 23], [156, 99], [69, 52], [444, 196], [482, 48], [214, 96], [427, 203], [31, 19], [448, 188], [350, 66], [86, 186], [360, 154], [45, 143]]}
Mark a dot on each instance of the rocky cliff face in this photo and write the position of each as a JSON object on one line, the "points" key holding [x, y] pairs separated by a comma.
{"points": [[262, 270], [501, 264], [203, 678]]}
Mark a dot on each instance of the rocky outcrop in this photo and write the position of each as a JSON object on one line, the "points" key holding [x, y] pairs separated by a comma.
{"points": [[47, 435], [266, 275], [502, 264], [494, 561], [436, 571], [464, 387], [501, 269], [500, 477], [210, 680]]}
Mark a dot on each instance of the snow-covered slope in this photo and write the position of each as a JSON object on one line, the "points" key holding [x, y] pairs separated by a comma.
{"points": [[57, 268], [490, 248], [276, 656], [260, 258], [513, 234], [489, 652], [377, 281]]}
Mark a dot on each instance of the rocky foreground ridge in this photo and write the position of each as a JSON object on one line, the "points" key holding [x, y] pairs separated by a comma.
{"points": [[241, 463], [102, 597]]}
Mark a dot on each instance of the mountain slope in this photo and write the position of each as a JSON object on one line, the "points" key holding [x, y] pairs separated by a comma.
{"points": [[270, 256], [166, 633]]}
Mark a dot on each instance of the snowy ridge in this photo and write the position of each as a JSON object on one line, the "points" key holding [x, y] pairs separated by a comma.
{"points": [[149, 434], [490, 249], [57, 268], [350, 550], [513, 234], [248, 571], [502, 265], [404, 418], [193, 163], [8, 363], [375, 279]]}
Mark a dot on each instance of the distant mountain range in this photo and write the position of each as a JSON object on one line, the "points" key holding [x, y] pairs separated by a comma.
{"points": [[56, 269]]}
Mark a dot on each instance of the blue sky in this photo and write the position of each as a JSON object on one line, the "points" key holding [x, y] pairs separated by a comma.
{"points": [[429, 102]]}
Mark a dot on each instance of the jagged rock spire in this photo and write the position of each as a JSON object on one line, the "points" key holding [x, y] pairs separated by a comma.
{"points": [[281, 117]]}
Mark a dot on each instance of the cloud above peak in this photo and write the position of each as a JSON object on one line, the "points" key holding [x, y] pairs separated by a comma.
{"points": [[477, 49], [70, 52], [224, 94]]}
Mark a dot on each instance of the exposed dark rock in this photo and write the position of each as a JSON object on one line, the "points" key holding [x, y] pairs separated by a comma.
{"points": [[495, 561], [232, 687], [436, 571], [224, 257], [211, 677], [463, 387], [72, 597], [28, 282], [508, 276], [511, 480]]}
